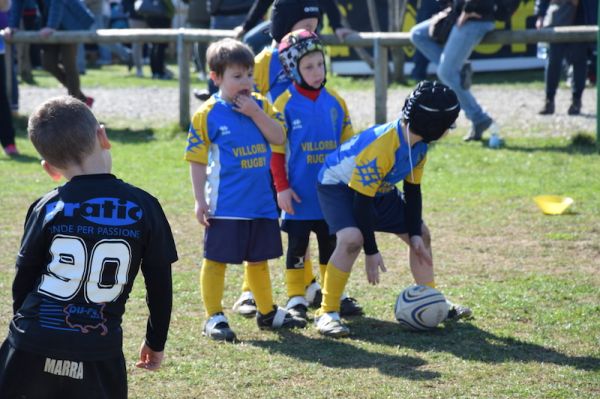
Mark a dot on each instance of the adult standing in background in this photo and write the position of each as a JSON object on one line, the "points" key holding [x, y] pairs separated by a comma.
{"points": [[198, 18], [7, 130], [578, 12], [59, 59], [475, 20], [158, 50], [425, 10], [135, 21], [224, 14]]}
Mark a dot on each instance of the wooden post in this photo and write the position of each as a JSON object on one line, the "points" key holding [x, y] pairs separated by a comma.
{"points": [[183, 62], [598, 91], [381, 81]]}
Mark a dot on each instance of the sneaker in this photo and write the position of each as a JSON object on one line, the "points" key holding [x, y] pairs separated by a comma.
{"points": [[245, 305], [202, 95], [277, 319], [11, 150], [217, 328], [313, 295], [477, 130], [458, 312], [350, 307], [330, 325], [297, 306], [548, 108], [575, 108], [89, 101], [466, 76]]}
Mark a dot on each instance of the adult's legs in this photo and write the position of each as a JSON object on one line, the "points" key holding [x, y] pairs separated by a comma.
{"points": [[7, 131], [137, 47], [458, 48], [60, 61], [425, 11]]}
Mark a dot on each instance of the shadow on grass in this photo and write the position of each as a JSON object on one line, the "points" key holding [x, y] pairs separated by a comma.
{"points": [[342, 354], [22, 158], [567, 149], [467, 341]]}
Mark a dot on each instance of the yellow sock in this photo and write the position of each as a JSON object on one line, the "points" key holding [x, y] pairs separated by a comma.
{"points": [[308, 272], [333, 287], [212, 282], [294, 279], [431, 284], [245, 285], [322, 270], [260, 285]]}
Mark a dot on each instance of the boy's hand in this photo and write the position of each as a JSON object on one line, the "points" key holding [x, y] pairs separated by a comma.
{"points": [[202, 214], [419, 248], [465, 16], [372, 265], [246, 105], [284, 200], [149, 359], [46, 32]]}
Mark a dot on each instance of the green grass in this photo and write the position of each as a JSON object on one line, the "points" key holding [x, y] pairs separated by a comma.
{"points": [[533, 282]]}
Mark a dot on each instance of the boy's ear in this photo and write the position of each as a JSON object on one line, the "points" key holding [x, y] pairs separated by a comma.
{"points": [[215, 77], [52, 171], [103, 138]]}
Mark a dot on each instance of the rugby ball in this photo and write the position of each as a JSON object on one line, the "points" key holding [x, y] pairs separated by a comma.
{"points": [[420, 308]]}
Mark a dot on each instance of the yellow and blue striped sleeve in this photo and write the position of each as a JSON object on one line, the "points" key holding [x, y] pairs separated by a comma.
{"points": [[347, 128], [261, 71], [198, 142], [373, 163], [280, 105]]}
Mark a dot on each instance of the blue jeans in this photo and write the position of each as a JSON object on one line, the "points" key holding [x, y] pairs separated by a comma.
{"points": [[451, 57], [427, 9]]}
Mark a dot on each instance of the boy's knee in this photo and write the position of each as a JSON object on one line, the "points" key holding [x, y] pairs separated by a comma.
{"points": [[351, 241], [426, 235]]}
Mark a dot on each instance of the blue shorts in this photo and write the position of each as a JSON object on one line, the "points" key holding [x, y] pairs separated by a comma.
{"points": [[236, 241], [337, 201]]}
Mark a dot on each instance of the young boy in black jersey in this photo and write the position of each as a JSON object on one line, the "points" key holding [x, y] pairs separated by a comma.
{"points": [[83, 244]]}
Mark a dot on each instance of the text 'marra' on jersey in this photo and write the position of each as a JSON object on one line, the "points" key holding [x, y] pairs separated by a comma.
{"points": [[375, 160], [269, 76], [315, 129], [238, 158], [83, 246]]}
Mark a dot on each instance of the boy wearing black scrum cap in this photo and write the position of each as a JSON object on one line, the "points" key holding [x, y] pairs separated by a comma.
{"points": [[358, 196]]}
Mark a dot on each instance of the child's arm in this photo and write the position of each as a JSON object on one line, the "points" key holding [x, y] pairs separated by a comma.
{"points": [[269, 127], [285, 194], [198, 174]]}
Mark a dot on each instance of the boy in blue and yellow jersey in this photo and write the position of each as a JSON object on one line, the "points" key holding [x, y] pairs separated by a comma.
{"points": [[271, 81], [229, 154], [358, 195], [318, 122]]}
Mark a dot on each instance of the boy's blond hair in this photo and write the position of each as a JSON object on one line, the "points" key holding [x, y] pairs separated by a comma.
{"points": [[228, 52], [63, 131]]}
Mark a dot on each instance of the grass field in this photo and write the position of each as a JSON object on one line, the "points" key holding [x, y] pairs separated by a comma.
{"points": [[532, 280]]}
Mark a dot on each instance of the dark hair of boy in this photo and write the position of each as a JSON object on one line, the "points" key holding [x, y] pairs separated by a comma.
{"points": [[63, 131], [228, 52]]}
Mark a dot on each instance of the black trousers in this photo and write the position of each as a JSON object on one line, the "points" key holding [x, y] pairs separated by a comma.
{"points": [[33, 376], [7, 130]]}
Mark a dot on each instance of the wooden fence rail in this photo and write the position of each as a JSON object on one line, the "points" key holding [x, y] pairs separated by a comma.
{"points": [[380, 41]]}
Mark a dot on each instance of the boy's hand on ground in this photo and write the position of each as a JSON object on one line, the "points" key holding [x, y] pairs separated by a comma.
{"points": [[419, 248], [284, 200], [372, 265], [201, 210], [246, 105], [149, 359]]}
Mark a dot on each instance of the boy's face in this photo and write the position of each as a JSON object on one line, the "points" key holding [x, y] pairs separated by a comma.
{"points": [[310, 24], [236, 80], [312, 69]]}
